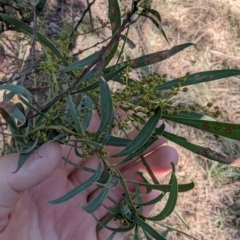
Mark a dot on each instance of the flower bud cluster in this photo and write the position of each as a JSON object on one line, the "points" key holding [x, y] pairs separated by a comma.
{"points": [[54, 111]]}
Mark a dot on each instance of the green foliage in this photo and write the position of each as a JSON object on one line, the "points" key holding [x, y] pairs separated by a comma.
{"points": [[76, 89]]}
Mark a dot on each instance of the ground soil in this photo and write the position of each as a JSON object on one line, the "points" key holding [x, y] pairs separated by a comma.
{"points": [[211, 210]]}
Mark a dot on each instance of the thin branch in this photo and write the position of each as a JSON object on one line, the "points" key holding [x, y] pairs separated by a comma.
{"points": [[90, 15], [95, 45], [81, 19], [4, 136], [35, 28], [94, 30], [102, 52]]}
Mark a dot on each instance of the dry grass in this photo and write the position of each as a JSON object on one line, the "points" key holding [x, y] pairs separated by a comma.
{"points": [[214, 26]]}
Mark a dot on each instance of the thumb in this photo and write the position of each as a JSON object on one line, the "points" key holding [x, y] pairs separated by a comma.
{"points": [[39, 166]]}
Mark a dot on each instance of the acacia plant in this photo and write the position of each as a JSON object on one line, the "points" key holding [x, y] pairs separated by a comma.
{"points": [[75, 89]]}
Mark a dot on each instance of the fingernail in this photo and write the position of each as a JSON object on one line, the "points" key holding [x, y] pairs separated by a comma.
{"points": [[42, 151]]}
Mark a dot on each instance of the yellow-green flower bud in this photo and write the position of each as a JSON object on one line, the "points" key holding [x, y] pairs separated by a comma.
{"points": [[210, 104]]}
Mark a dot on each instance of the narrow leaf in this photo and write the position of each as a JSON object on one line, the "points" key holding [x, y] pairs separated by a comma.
{"points": [[146, 180], [118, 69], [153, 201], [96, 202], [119, 229], [171, 203], [114, 15], [126, 191], [174, 229], [108, 76], [156, 23], [73, 111], [13, 111], [200, 77], [29, 147], [160, 197], [82, 187], [87, 142], [87, 102], [118, 142], [129, 42], [142, 136], [22, 159], [192, 115], [82, 63], [139, 198], [112, 235], [147, 235], [23, 26], [29, 105], [154, 57], [104, 222], [159, 131], [149, 170], [40, 5], [149, 229], [153, 12], [227, 130], [136, 235], [17, 89], [165, 233], [106, 105], [205, 152], [123, 80], [165, 187]]}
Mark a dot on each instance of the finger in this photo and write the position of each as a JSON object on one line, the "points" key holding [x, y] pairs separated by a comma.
{"points": [[38, 167], [104, 233], [69, 151], [75, 175], [132, 135], [160, 163], [79, 175]]}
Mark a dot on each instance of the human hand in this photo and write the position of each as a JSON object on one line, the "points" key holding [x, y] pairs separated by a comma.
{"points": [[24, 211]]}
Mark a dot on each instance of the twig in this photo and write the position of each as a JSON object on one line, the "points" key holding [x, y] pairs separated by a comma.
{"points": [[81, 19], [90, 16], [94, 30], [95, 45], [4, 136], [35, 26], [101, 53]]}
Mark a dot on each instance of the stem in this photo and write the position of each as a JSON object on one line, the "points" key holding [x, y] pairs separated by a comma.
{"points": [[99, 57], [59, 128], [121, 52], [90, 15], [81, 19]]}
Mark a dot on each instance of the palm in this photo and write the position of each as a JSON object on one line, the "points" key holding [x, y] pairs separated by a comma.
{"points": [[35, 217], [25, 213]]}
